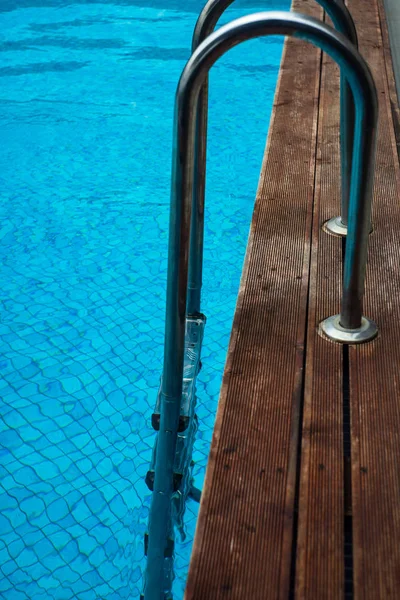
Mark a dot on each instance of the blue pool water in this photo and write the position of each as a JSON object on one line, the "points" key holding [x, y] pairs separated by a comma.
{"points": [[86, 97]]}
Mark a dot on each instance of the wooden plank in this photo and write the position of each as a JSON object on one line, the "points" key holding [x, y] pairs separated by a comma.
{"points": [[320, 548], [374, 367], [390, 77], [243, 543]]}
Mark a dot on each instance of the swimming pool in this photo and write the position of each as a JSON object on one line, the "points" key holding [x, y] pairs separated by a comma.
{"points": [[87, 104]]}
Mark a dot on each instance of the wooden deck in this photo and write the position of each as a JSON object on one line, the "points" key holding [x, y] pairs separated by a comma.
{"points": [[302, 492]]}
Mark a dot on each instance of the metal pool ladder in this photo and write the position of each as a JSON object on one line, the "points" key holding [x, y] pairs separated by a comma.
{"points": [[174, 415]]}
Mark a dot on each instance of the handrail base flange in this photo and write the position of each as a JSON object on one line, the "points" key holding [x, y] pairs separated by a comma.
{"points": [[335, 227], [332, 329]]}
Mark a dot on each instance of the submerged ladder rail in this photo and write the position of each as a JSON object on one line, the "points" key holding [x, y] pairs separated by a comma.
{"points": [[348, 327], [205, 25]]}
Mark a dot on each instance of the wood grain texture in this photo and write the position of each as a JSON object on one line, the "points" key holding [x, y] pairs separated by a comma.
{"points": [[243, 544], [374, 367], [291, 281], [320, 548]]}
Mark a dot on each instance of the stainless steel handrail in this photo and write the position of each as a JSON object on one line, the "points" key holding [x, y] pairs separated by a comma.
{"points": [[205, 25], [350, 325]]}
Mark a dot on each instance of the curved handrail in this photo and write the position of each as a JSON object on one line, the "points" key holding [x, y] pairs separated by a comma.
{"points": [[351, 319], [213, 10], [206, 22]]}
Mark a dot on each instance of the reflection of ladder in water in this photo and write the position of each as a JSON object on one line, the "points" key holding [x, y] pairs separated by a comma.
{"points": [[170, 472]]}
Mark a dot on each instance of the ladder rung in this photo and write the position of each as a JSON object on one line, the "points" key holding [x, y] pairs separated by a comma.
{"points": [[192, 365]]}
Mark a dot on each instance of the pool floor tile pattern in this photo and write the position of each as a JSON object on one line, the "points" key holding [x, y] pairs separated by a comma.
{"points": [[83, 236]]}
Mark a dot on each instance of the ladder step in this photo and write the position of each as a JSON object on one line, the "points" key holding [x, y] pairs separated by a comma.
{"points": [[183, 466], [183, 459], [192, 365]]}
